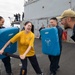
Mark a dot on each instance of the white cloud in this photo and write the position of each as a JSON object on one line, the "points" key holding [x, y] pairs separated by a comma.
{"points": [[10, 7]]}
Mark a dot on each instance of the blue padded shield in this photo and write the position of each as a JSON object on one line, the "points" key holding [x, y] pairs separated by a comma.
{"points": [[50, 41], [5, 35]]}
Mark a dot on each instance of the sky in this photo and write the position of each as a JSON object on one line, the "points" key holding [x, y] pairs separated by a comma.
{"points": [[10, 7]]}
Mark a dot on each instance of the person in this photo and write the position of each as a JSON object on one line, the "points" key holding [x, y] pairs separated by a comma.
{"points": [[54, 65], [68, 20], [18, 16], [23, 16], [6, 60], [25, 40], [42, 27]]}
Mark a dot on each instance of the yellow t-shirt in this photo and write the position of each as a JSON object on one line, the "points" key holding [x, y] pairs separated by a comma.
{"points": [[24, 41]]}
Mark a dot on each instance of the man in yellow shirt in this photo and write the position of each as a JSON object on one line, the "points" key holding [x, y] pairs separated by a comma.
{"points": [[25, 40]]}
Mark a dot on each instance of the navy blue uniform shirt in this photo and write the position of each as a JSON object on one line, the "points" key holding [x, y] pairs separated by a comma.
{"points": [[2, 27], [60, 31]]}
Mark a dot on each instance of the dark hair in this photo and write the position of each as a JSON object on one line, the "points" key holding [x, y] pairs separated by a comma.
{"points": [[1, 17], [54, 18], [27, 23], [31, 24]]}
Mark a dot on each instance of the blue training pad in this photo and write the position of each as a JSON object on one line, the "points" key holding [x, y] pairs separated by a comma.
{"points": [[5, 35], [50, 41]]}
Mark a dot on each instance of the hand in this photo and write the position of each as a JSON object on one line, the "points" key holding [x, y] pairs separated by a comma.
{"points": [[22, 56], [1, 51]]}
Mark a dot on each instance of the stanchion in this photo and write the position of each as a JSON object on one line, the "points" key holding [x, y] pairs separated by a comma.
{"points": [[11, 55]]}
